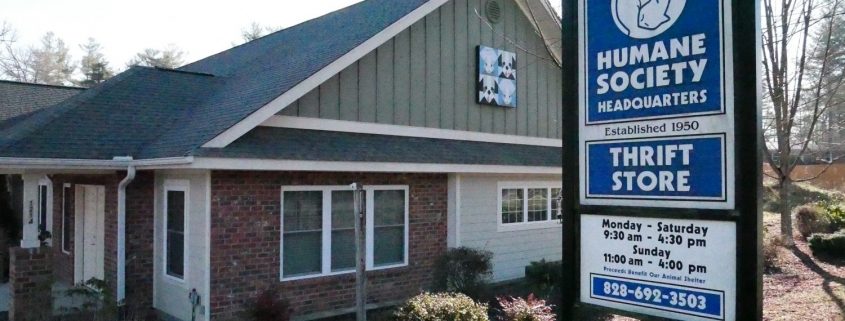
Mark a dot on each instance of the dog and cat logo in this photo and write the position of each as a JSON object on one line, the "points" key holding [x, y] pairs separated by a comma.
{"points": [[496, 77], [644, 19]]}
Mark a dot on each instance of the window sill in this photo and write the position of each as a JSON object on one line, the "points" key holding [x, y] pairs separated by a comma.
{"points": [[528, 226], [315, 276]]}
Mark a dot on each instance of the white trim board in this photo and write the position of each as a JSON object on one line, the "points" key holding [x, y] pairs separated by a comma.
{"points": [[404, 131], [276, 105], [373, 167]]}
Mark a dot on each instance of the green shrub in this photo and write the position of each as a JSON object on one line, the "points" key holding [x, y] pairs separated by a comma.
{"points": [[544, 278], [463, 270], [528, 309], [835, 214], [832, 245], [440, 307], [812, 219]]}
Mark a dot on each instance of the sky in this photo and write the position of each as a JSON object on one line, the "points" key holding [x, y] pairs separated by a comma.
{"points": [[124, 28]]}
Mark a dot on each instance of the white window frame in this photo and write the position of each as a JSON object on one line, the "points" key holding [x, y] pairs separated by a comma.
{"points": [[371, 226], [551, 219], [66, 187], [326, 190], [176, 186], [48, 207]]}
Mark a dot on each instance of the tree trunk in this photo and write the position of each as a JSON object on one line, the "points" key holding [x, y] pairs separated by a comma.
{"points": [[786, 211]]}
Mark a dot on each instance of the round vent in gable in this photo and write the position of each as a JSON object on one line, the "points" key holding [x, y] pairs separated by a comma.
{"points": [[493, 10]]}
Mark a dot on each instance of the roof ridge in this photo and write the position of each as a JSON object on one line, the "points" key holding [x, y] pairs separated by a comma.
{"points": [[40, 85]]}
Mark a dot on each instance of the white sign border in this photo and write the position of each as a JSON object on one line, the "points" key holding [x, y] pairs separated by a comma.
{"points": [[726, 23]]}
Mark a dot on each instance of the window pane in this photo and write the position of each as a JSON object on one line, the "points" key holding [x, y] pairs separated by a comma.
{"points": [[389, 243], [66, 215], [343, 249], [175, 233], [42, 207], [343, 213], [538, 204], [176, 210], [175, 254], [389, 207], [303, 211], [512, 205], [389, 227], [303, 237], [302, 253], [343, 231], [556, 199]]}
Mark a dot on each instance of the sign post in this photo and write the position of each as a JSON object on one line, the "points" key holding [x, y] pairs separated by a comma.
{"points": [[665, 216]]}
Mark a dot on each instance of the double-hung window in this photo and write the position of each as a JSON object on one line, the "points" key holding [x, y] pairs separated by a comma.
{"points": [[527, 205], [176, 214], [318, 229]]}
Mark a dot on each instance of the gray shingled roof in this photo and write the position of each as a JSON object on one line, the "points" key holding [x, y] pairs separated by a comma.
{"points": [[151, 113], [17, 98], [314, 145]]}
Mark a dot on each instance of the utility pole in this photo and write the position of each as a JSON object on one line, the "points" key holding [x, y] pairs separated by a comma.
{"points": [[360, 253]]}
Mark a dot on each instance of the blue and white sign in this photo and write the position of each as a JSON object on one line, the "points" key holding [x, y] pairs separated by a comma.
{"points": [[651, 59], [690, 168], [677, 269], [656, 125]]}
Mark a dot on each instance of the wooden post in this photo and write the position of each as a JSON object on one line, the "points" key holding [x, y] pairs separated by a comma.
{"points": [[360, 254]]}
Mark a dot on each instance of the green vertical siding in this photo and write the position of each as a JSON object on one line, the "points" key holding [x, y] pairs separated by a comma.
{"points": [[426, 77]]}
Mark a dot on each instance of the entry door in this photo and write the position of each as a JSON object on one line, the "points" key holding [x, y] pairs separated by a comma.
{"points": [[90, 232]]}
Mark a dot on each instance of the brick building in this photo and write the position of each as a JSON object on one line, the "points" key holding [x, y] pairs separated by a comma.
{"points": [[230, 176]]}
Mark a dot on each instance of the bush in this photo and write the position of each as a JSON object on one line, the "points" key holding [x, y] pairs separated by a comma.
{"points": [[528, 309], [771, 251], [832, 245], [268, 307], [442, 306], [544, 278], [835, 215], [810, 219], [463, 270]]}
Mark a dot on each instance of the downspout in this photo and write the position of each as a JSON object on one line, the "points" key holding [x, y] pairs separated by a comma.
{"points": [[121, 229]]}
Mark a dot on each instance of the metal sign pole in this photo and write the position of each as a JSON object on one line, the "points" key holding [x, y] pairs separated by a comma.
{"points": [[665, 202]]}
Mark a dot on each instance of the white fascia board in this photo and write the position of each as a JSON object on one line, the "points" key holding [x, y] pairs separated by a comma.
{"points": [[405, 131], [547, 24], [17, 164], [375, 167], [256, 118]]}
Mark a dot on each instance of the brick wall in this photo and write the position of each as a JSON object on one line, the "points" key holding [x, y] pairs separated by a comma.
{"points": [[245, 236], [139, 232], [30, 284]]}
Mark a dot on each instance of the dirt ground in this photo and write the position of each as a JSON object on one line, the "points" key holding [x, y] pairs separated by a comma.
{"points": [[805, 287]]}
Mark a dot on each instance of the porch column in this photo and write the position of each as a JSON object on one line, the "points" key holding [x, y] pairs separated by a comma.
{"points": [[30, 211]]}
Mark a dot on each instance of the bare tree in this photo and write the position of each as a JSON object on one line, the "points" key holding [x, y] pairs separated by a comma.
{"points": [[795, 98], [255, 31], [49, 63], [93, 65], [171, 57]]}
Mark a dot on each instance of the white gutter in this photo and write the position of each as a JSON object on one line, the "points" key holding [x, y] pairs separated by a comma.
{"points": [[121, 230], [91, 164]]}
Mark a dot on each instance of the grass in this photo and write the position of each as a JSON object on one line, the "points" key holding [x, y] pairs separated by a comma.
{"points": [[802, 193]]}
